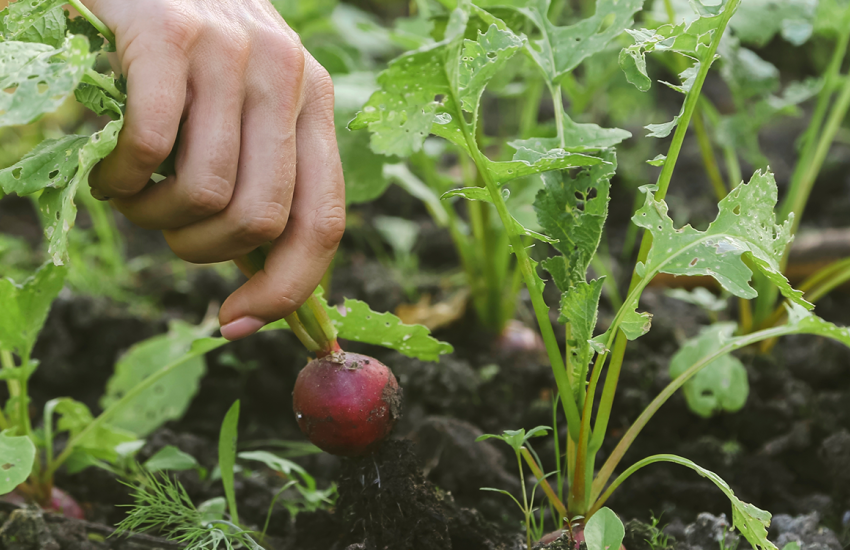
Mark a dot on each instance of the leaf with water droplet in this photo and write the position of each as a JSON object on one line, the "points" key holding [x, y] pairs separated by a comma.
{"points": [[25, 308]]}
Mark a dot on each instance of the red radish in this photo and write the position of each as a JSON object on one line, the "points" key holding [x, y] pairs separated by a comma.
{"points": [[346, 403], [60, 503]]}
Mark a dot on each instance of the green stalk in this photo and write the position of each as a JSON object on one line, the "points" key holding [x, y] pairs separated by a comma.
{"points": [[525, 508], [708, 158], [620, 450], [637, 284], [310, 323], [541, 310], [93, 19]]}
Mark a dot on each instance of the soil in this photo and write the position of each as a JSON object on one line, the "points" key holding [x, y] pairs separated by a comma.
{"points": [[786, 451]]}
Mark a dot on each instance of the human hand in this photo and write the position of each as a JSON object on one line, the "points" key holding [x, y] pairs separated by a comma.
{"points": [[257, 159]]}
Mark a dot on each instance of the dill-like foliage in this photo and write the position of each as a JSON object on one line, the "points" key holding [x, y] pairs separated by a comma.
{"points": [[162, 504]]}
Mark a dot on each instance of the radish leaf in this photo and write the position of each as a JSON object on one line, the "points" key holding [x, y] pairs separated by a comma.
{"points": [[604, 531], [33, 21], [744, 234], [25, 308], [18, 456], [722, 385]]}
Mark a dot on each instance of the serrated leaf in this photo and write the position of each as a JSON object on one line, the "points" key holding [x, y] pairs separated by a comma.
{"points": [[52, 164], [36, 78], [579, 308], [745, 228], [49, 29], [805, 322], [480, 61], [17, 456], [689, 39], [96, 99], [360, 323], [634, 324], [575, 222], [81, 25], [57, 205], [559, 50], [722, 385], [18, 17], [25, 308], [528, 161], [168, 398]]}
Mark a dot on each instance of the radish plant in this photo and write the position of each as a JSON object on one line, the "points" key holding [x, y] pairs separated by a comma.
{"points": [[45, 57], [437, 90]]}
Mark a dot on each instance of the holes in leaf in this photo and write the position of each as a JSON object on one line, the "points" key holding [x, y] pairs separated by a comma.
{"points": [[16, 173], [439, 98], [53, 174], [11, 89], [42, 87], [491, 55], [693, 262], [737, 210]]}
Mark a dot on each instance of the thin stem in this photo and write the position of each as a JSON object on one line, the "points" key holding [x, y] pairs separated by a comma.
{"points": [[635, 429], [558, 104], [4, 424], [541, 310], [708, 158], [93, 19], [538, 473], [807, 180], [524, 501]]}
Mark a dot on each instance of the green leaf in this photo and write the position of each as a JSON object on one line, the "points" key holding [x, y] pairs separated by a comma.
{"points": [[96, 99], [274, 462], [758, 21], [751, 521], [37, 78], [480, 61], [227, 456], [805, 322], [634, 324], [359, 323], [659, 160], [744, 234], [49, 29], [81, 25], [720, 386], [52, 164], [18, 18], [99, 444], [578, 137], [25, 308], [579, 307], [559, 50], [57, 205], [569, 212], [170, 458], [701, 297], [691, 40], [469, 193], [527, 161], [169, 397], [18, 457], [604, 531]]}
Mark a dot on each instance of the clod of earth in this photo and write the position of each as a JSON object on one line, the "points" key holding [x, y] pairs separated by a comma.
{"points": [[346, 403]]}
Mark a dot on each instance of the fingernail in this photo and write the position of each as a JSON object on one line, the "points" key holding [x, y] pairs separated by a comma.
{"points": [[98, 195], [242, 327]]}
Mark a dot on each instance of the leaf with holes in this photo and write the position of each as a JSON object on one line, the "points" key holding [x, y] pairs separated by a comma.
{"points": [[356, 321], [36, 78], [744, 234], [479, 62], [58, 210], [722, 385], [18, 18], [573, 211], [25, 308], [52, 164], [579, 308], [559, 50], [168, 398], [17, 455]]}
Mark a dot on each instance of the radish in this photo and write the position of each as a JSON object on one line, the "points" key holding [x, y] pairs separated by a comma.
{"points": [[346, 403]]}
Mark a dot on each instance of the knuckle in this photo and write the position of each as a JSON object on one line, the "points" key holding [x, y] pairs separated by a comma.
{"points": [[149, 147], [328, 226], [208, 195], [285, 48], [179, 26], [262, 224]]}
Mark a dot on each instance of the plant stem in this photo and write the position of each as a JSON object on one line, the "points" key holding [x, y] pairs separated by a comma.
{"points": [[541, 310], [525, 508], [93, 19], [538, 473], [635, 429], [310, 323], [708, 158]]}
